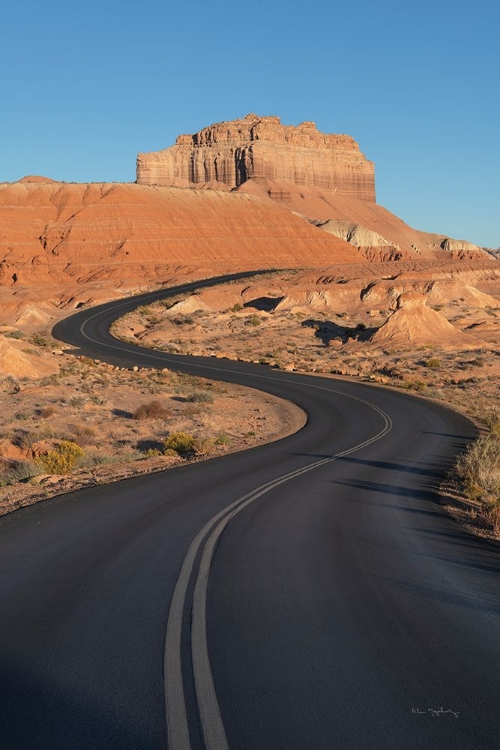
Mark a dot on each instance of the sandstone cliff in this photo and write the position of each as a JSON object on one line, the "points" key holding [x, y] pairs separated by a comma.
{"points": [[322, 177], [259, 148]]}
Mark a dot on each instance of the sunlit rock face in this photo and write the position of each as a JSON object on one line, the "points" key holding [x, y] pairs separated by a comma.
{"points": [[261, 148]]}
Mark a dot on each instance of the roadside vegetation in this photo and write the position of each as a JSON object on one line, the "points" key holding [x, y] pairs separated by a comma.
{"points": [[91, 423], [478, 474]]}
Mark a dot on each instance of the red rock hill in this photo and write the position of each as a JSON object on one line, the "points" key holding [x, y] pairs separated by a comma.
{"points": [[53, 232]]}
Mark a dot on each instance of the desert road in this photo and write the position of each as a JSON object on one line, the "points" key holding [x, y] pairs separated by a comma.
{"points": [[304, 595]]}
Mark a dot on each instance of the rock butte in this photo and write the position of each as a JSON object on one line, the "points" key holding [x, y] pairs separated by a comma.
{"points": [[302, 199], [261, 148], [322, 177]]}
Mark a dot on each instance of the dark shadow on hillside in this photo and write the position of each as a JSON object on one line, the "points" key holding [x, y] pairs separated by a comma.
{"points": [[327, 331], [266, 304], [122, 413]]}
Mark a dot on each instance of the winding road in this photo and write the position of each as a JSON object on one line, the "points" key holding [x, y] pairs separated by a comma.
{"points": [[307, 594]]}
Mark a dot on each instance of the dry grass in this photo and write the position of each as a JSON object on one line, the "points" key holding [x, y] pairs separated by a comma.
{"points": [[152, 410]]}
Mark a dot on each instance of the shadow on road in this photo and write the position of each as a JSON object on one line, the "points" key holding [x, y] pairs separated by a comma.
{"points": [[428, 494]]}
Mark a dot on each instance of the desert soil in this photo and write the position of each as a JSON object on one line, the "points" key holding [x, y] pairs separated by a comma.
{"points": [[463, 372], [95, 406]]}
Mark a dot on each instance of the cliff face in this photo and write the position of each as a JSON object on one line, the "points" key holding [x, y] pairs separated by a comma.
{"points": [[260, 148]]}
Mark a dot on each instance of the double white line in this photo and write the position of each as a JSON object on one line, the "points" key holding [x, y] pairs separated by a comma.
{"points": [[208, 707]]}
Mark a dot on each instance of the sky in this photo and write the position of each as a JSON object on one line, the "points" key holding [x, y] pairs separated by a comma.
{"points": [[85, 87]]}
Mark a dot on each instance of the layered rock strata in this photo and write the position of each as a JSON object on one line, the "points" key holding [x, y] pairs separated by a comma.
{"points": [[261, 148], [54, 232]]}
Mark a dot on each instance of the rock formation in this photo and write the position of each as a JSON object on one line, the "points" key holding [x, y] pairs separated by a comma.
{"points": [[322, 177], [413, 323], [261, 148], [130, 235], [20, 364], [371, 244], [459, 249]]}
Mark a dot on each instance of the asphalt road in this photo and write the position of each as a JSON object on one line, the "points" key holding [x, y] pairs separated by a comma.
{"points": [[305, 594]]}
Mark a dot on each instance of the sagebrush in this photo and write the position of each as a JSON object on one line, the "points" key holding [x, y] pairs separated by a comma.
{"points": [[62, 459]]}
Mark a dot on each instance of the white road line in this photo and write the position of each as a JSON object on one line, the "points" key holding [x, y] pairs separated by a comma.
{"points": [[175, 705], [213, 728]]}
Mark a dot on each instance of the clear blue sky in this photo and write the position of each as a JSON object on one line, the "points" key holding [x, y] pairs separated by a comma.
{"points": [[86, 86]]}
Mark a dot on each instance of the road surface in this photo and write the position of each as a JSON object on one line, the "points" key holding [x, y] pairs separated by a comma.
{"points": [[305, 594]]}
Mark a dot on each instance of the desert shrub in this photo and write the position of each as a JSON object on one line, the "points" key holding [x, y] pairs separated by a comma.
{"points": [[479, 469], [15, 335], [236, 307], [433, 362], [26, 439], [96, 458], [76, 401], [49, 380], [152, 410], [40, 340], [62, 459], [415, 385], [18, 471], [22, 415], [492, 421], [98, 400], [254, 320], [200, 397], [83, 434], [222, 439], [46, 411], [193, 410], [11, 384], [181, 443]]}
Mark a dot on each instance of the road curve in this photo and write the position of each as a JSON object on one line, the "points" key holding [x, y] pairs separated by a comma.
{"points": [[305, 594]]}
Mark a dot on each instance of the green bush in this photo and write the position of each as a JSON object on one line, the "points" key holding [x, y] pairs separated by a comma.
{"points": [[180, 442], [62, 459]]}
